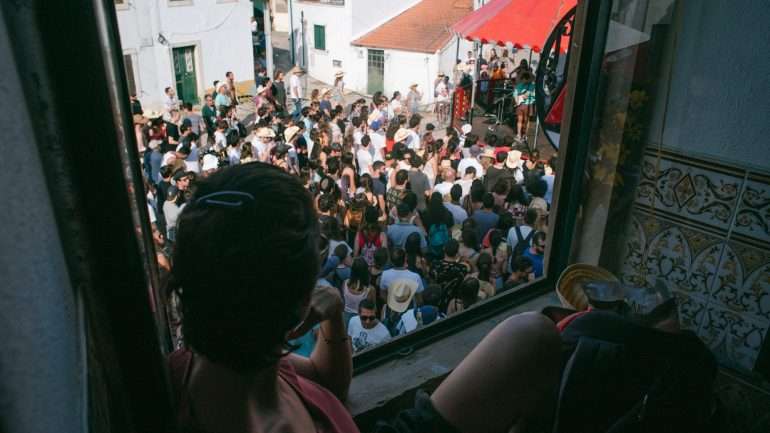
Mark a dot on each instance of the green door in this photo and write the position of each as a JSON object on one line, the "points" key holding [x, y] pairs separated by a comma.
{"points": [[184, 71], [376, 71]]}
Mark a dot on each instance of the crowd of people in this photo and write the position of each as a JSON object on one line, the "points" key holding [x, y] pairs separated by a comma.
{"points": [[413, 227]]}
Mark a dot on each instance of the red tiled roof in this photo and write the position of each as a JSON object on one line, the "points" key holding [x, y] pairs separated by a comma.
{"points": [[424, 28]]}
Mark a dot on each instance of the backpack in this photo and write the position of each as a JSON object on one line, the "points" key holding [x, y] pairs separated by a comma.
{"points": [[438, 235], [522, 244], [356, 214], [622, 377], [368, 247]]}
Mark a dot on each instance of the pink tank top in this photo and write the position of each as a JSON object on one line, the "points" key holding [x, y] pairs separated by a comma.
{"points": [[326, 410]]}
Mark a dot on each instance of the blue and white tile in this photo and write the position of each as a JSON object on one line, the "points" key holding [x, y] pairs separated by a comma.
{"points": [[689, 191], [753, 218]]}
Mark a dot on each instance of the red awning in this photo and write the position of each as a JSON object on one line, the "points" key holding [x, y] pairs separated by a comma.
{"points": [[514, 23]]}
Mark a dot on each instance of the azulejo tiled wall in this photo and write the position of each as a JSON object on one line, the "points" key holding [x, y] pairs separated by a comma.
{"points": [[703, 230]]}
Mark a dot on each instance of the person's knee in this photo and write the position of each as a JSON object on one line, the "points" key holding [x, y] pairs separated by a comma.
{"points": [[532, 330]]}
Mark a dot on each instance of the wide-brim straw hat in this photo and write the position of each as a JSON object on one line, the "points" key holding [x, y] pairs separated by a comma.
{"points": [[569, 286], [152, 114], [296, 70], [265, 132], [400, 294], [339, 74], [401, 135], [514, 159], [488, 153], [140, 120], [290, 132], [413, 86], [324, 91]]}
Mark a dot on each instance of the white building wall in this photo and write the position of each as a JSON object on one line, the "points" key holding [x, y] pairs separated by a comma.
{"points": [[402, 68], [369, 14], [279, 9], [219, 29], [337, 21]]}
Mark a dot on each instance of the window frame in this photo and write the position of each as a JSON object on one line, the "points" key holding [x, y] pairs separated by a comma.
{"points": [[121, 5], [315, 37], [134, 68], [592, 21]]}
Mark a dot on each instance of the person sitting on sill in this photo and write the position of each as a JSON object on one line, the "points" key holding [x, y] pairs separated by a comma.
{"points": [[235, 374]]}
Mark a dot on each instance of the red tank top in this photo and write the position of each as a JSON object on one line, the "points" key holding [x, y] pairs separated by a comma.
{"points": [[326, 410]]}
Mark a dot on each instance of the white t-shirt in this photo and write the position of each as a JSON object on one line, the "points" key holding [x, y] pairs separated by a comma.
{"points": [[444, 188], [392, 275], [470, 162], [220, 140], [365, 160], [465, 184], [414, 140], [295, 87], [513, 240], [363, 338], [357, 136], [378, 143]]}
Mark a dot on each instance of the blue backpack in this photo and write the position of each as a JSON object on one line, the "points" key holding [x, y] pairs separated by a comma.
{"points": [[438, 235]]}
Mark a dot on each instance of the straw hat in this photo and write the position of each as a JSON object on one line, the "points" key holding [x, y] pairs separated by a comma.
{"points": [[514, 159], [488, 153], [152, 114], [210, 162], [296, 70], [339, 74], [290, 132], [569, 286], [324, 90], [466, 129], [413, 86], [401, 135], [440, 74], [265, 132], [400, 294], [140, 120]]}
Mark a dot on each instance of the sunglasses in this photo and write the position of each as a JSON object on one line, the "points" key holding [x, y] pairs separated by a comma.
{"points": [[368, 318]]}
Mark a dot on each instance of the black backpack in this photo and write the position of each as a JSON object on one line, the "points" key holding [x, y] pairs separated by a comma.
{"points": [[622, 377], [522, 244]]}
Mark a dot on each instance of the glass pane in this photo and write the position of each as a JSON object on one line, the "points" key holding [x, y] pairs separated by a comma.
{"points": [[674, 190], [477, 198]]}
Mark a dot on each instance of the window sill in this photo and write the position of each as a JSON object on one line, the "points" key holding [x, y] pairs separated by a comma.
{"points": [[379, 393]]}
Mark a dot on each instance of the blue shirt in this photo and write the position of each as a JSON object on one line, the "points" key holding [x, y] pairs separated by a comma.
{"points": [[549, 194], [485, 220], [398, 232], [537, 262]]}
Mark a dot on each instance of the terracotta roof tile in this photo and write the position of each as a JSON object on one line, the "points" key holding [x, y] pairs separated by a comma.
{"points": [[424, 28]]}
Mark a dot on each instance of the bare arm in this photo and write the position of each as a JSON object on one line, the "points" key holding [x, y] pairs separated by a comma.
{"points": [[331, 363]]}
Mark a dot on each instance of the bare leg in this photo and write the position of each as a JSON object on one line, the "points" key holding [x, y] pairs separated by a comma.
{"points": [[512, 375], [519, 124]]}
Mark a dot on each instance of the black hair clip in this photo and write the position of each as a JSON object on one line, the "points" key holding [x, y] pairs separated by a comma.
{"points": [[226, 198]]}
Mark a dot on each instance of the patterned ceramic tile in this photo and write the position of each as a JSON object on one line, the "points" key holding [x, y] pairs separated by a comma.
{"points": [[692, 311], [742, 283], [753, 218], [689, 191], [660, 252], [734, 338]]}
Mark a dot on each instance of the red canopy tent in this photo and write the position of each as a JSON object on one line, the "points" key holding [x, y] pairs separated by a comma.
{"points": [[514, 23]]}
